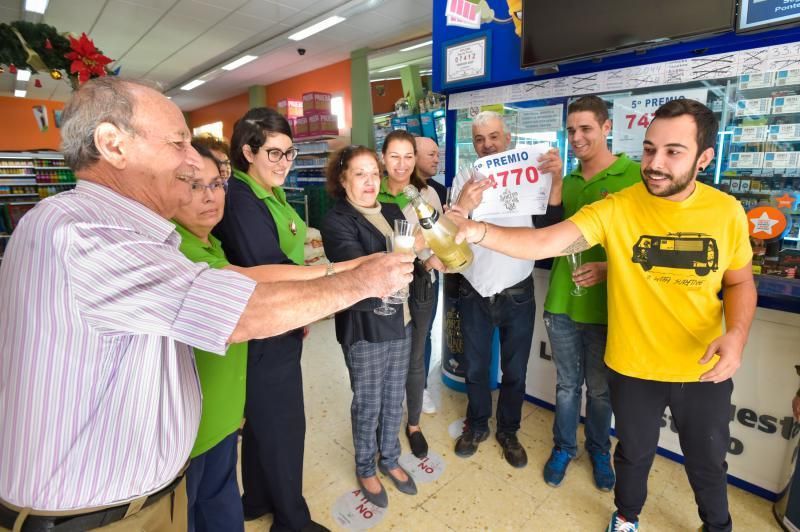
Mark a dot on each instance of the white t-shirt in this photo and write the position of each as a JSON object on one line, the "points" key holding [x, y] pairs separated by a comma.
{"points": [[491, 272]]}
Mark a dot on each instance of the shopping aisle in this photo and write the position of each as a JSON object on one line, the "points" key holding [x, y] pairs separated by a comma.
{"points": [[482, 492]]}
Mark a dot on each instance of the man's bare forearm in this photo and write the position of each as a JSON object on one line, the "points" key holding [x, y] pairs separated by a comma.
{"points": [[275, 308], [739, 301], [525, 243]]}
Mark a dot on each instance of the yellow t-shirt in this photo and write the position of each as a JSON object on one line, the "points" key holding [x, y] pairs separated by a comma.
{"points": [[666, 260]]}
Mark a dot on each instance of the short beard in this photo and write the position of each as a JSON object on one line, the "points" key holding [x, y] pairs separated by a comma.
{"points": [[676, 186]]}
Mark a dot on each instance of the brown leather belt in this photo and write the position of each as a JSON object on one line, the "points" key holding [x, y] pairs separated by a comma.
{"points": [[81, 522]]}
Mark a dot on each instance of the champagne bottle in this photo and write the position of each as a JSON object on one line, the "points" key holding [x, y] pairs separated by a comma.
{"points": [[439, 233]]}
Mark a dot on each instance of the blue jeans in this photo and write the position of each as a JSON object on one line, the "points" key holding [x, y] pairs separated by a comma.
{"points": [[212, 489], [511, 311], [578, 350]]}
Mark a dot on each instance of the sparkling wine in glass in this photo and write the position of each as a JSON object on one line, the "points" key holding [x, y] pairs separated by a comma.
{"points": [[402, 241], [575, 262]]}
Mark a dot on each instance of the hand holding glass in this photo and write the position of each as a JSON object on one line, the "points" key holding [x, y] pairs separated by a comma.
{"points": [[575, 263]]}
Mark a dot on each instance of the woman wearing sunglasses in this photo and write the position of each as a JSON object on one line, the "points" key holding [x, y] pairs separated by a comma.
{"points": [[260, 227]]}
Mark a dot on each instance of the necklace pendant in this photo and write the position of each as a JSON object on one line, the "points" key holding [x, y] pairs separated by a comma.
{"points": [[293, 227]]}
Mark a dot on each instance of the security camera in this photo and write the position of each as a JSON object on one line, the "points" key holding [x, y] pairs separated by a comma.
{"points": [[301, 51]]}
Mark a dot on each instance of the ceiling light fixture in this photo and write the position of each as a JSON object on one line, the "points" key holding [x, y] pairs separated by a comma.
{"points": [[420, 45], [36, 6], [316, 28], [192, 85], [393, 67], [23, 75], [233, 65], [20, 93]]}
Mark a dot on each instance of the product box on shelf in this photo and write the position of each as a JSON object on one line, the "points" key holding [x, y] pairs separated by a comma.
{"points": [[316, 103], [781, 159], [290, 108], [751, 159], [750, 134], [753, 107], [413, 125], [786, 104], [784, 132], [301, 126], [322, 125], [787, 77], [756, 81]]}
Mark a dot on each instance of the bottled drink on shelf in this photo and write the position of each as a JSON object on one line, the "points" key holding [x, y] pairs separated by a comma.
{"points": [[439, 233]]}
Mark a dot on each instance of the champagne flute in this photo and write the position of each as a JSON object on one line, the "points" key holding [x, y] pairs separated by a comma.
{"points": [[575, 262], [401, 241], [384, 309]]}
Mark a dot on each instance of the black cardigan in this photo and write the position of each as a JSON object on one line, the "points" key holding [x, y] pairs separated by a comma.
{"points": [[347, 234]]}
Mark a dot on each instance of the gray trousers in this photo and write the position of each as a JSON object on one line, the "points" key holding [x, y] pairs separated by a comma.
{"points": [[378, 380], [421, 321]]}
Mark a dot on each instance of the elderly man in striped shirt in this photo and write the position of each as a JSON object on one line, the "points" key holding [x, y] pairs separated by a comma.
{"points": [[99, 398]]}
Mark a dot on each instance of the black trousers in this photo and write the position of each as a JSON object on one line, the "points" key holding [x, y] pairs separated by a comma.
{"points": [[273, 438], [700, 412]]}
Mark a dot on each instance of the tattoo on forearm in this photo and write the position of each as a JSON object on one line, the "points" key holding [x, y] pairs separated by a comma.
{"points": [[576, 247]]}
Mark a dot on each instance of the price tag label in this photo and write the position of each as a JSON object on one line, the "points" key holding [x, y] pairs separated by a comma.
{"points": [[756, 81], [750, 134], [781, 159], [425, 469], [753, 159], [353, 512], [520, 189], [787, 77]]}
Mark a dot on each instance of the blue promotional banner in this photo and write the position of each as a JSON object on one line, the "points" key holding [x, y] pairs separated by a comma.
{"points": [[758, 13]]}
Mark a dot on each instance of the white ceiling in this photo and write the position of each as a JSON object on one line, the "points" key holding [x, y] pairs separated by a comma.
{"points": [[175, 41]]}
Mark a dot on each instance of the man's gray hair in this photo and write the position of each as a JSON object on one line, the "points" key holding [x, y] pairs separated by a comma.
{"points": [[107, 99], [484, 117]]}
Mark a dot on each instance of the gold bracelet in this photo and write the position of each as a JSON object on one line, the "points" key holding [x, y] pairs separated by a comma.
{"points": [[485, 230]]}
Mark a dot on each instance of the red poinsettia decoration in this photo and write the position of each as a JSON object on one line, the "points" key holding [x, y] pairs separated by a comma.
{"points": [[87, 61]]}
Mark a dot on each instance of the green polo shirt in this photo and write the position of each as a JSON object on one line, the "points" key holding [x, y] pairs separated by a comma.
{"points": [[384, 196], [285, 217], [577, 192], [222, 378]]}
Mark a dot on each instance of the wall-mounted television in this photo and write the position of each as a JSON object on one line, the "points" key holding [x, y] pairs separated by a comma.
{"points": [[558, 31], [755, 15]]}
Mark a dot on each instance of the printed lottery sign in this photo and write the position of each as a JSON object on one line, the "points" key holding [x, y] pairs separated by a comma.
{"points": [[425, 469], [632, 116], [353, 512], [520, 189]]}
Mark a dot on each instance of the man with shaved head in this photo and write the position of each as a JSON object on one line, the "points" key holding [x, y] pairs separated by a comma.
{"points": [[99, 310]]}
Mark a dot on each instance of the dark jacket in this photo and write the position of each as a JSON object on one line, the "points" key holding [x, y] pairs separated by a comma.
{"points": [[250, 238], [347, 234]]}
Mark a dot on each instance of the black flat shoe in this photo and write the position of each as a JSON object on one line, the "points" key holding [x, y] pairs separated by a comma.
{"points": [[379, 499], [408, 487], [419, 446]]}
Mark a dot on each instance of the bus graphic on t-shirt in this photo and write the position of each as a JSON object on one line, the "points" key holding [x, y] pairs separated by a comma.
{"points": [[690, 251]]}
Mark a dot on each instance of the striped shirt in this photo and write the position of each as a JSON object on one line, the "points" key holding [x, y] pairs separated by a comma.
{"points": [[99, 397]]}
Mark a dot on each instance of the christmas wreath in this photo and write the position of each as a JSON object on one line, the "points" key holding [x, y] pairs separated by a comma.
{"points": [[41, 48]]}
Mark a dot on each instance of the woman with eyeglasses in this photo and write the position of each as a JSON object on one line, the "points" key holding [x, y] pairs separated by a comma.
{"points": [[376, 348], [400, 158], [212, 489], [260, 227], [219, 149]]}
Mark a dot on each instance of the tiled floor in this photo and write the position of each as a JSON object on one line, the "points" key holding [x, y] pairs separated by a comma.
{"points": [[482, 492]]}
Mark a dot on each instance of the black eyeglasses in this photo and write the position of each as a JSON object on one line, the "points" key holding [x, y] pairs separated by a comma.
{"points": [[274, 154]]}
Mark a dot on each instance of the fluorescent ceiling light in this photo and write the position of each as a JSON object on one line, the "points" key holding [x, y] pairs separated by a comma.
{"points": [[192, 84], [420, 45], [36, 6], [23, 75], [316, 28], [393, 67], [239, 62], [20, 93]]}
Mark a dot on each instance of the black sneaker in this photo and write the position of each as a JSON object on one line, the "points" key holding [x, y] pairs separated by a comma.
{"points": [[513, 452], [467, 443]]}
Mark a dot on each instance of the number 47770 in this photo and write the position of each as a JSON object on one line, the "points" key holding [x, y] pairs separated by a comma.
{"points": [[531, 174]]}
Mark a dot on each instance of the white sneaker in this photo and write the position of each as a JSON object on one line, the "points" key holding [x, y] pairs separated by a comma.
{"points": [[428, 406]]}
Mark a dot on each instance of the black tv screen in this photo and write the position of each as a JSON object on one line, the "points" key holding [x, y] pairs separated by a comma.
{"points": [[557, 31]]}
